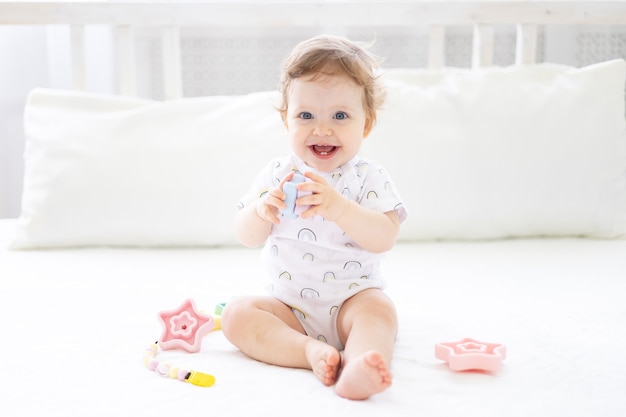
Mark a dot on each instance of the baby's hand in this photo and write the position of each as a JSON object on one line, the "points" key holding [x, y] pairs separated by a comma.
{"points": [[324, 200], [270, 205]]}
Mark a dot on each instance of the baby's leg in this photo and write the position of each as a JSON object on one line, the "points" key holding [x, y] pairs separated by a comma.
{"points": [[267, 330], [368, 324]]}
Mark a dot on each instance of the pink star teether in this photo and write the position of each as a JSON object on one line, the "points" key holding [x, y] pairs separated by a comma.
{"points": [[184, 327], [470, 354]]}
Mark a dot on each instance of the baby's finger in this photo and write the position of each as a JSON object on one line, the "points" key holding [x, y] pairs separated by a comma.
{"points": [[266, 211], [314, 177], [285, 179], [308, 198], [276, 198], [271, 216], [310, 212]]}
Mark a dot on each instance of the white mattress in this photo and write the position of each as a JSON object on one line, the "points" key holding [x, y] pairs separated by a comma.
{"points": [[76, 322]]}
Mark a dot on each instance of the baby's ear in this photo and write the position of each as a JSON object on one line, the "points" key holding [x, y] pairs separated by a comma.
{"points": [[369, 123], [283, 116]]}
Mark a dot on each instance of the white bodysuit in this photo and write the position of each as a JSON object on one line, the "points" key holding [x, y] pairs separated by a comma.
{"points": [[313, 265]]}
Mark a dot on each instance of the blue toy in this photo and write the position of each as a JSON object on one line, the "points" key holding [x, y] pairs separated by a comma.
{"points": [[291, 190]]}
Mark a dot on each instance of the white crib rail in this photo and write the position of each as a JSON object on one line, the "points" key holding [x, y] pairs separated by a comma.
{"points": [[169, 17]]}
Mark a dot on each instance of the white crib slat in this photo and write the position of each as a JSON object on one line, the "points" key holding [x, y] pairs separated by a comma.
{"points": [[526, 45], [172, 72], [436, 46], [125, 60], [482, 46], [79, 72]]}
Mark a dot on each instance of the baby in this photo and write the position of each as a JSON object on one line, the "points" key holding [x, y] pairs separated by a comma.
{"points": [[326, 311]]}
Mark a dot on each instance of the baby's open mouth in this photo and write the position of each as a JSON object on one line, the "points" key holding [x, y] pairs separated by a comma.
{"points": [[323, 150]]}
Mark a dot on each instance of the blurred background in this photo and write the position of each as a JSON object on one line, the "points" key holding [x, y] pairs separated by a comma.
{"points": [[234, 61]]}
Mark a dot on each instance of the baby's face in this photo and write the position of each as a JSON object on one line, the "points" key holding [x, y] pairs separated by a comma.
{"points": [[326, 120]]}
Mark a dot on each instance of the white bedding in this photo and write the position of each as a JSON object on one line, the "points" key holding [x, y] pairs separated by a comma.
{"points": [[75, 323]]}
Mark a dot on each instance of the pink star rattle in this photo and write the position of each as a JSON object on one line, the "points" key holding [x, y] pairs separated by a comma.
{"points": [[184, 327], [470, 354]]}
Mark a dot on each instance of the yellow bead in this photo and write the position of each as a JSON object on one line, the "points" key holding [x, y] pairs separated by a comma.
{"points": [[218, 323]]}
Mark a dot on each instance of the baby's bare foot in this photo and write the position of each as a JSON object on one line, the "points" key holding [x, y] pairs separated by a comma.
{"points": [[324, 360], [364, 376]]}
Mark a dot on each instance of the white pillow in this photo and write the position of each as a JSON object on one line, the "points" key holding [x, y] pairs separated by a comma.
{"points": [[108, 170], [507, 152], [498, 152]]}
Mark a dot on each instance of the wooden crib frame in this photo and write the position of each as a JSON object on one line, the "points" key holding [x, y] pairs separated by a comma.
{"points": [[526, 16]]}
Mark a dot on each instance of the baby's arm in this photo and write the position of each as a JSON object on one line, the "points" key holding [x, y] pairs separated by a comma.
{"points": [[370, 229], [253, 223]]}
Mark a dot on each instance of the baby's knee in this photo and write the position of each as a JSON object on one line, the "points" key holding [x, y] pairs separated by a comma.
{"points": [[233, 315], [372, 304], [239, 314]]}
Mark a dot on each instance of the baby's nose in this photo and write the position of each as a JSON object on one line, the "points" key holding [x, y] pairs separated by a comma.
{"points": [[322, 130]]}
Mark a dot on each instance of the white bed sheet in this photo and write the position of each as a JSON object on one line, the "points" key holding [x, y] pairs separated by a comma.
{"points": [[76, 322]]}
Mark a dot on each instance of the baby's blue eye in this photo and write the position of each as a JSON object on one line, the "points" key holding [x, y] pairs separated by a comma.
{"points": [[341, 115], [306, 115]]}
